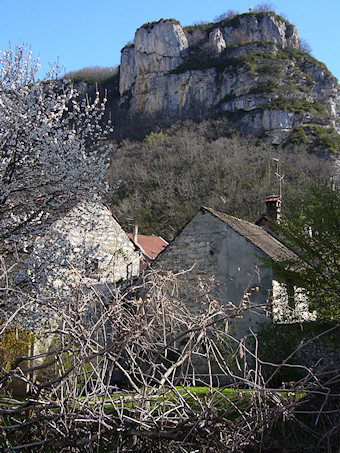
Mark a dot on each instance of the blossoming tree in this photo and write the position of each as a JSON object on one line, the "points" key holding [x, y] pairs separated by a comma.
{"points": [[51, 146]]}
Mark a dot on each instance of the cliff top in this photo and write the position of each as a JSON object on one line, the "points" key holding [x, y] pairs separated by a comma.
{"points": [[232, 21]]}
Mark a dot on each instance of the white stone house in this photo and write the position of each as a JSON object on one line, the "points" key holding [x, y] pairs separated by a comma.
{"points": [[85, 246], [85, 249], [235, 256]]}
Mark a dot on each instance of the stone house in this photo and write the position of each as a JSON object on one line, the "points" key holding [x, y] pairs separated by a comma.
{"points": [[235, 256], [86, 245], [85, 249]]}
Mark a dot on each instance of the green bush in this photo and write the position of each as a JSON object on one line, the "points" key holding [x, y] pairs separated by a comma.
{"points": [[297, 105], [290, 337], [265, 87], [298, 136], [269, 69], [150, 25], [309, 79], [325, 139]]}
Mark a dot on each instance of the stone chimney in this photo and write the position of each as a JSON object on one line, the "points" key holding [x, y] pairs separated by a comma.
{"points": [[135, 234], [273, 205]]}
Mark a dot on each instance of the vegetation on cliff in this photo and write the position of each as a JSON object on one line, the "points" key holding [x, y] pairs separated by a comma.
{"points": [[94, 74]]}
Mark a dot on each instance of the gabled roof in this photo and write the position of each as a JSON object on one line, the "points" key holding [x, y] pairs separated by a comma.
{"points": [[256, 235], [151, 246]]}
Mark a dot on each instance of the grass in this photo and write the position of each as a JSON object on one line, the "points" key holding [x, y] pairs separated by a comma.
{"points": [[225, 399], [225, 404]]}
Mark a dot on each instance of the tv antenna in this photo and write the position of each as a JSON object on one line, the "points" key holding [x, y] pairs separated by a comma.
{"points": [[279, 176]]}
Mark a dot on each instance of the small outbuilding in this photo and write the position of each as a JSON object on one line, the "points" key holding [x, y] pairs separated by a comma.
{"points": [[150, 247]]}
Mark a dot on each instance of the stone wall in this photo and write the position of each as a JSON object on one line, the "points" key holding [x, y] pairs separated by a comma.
{"points": [[87, 245], [290, 303], [225, 264]]}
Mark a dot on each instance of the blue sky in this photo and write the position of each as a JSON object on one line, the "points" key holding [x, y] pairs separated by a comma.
{"points": [[82, 33]]}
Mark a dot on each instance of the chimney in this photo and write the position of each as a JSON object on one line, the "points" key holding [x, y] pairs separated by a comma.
{"points": [[273, 205], [135, 234]]}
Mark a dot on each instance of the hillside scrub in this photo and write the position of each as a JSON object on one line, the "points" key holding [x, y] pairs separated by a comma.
{"points": [[92, 74], [174, 172]]}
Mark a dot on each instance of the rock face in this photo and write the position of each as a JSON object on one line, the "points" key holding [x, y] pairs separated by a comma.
{"points": [[156, 49], [248, 66], [263, 27]]}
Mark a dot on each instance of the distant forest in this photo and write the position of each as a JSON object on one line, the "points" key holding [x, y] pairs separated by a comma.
{"points": [[161, 181]]}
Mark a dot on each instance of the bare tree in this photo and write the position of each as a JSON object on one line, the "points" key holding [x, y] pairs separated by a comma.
{"points": [[264, 7], [305, 46], [134, 370], [226, 15]]}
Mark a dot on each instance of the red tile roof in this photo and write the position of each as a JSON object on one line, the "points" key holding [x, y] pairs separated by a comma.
{"points": [[151, 246]]}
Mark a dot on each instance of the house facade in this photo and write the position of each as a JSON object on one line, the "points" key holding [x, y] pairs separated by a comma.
{"points": [[86, 246], [233, 257]]}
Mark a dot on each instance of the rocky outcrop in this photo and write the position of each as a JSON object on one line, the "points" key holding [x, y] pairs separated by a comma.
{"points": [[248, 66], [156, 49], [216, 41], [262, 27], [127, 69]]}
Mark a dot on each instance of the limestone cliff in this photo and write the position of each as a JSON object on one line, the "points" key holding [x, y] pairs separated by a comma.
{"points": [[249, 67]]}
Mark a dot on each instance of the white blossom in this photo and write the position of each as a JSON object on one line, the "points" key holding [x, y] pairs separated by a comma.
{"points": [[52, 147]]}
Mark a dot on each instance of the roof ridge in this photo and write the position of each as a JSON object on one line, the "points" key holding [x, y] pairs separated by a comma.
{"points": [[256, 235]]}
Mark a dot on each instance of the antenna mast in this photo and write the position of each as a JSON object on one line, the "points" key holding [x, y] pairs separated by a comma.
{"points": [[279, 176]]}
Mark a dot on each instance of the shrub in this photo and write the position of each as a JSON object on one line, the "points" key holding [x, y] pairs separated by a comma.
{"points": [[325, 139], [298, 136], [269, 69], [309, 79], [150, 25], [92, 74], [297, 105], [265, 87]]}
